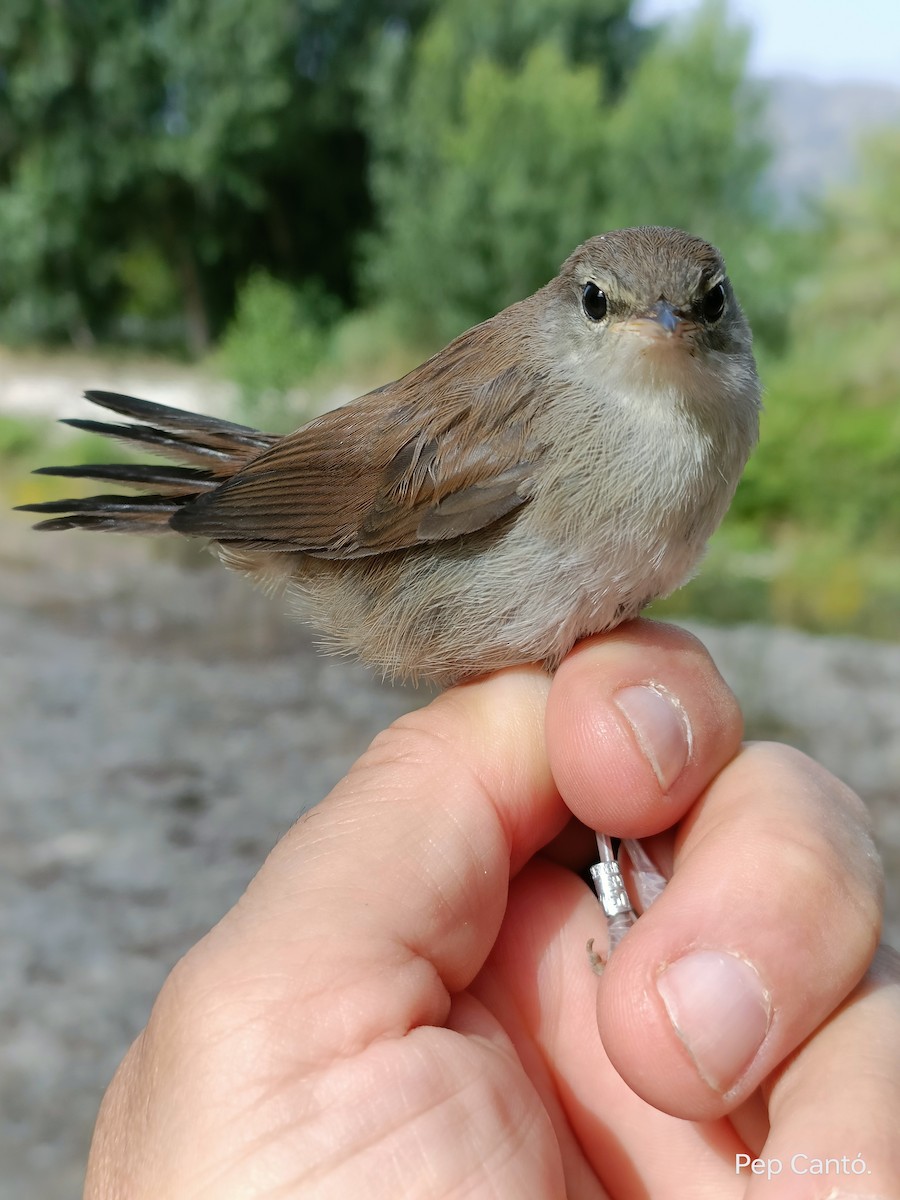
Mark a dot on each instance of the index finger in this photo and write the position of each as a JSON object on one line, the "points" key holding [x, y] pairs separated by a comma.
{"points": [[388, 895], [366, 918]]}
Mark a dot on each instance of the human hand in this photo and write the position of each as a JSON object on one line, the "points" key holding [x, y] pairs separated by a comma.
{"points": [[401, 1003]]}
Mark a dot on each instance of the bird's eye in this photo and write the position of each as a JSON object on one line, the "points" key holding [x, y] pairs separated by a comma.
{"points": [[713, 303], [593, 301]]}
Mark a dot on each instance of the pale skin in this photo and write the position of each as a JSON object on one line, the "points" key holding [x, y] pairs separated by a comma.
{"points": [[401, 1003]]}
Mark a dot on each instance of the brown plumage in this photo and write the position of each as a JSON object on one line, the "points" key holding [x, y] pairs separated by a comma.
{"points": [[454, 454], [542, 477]]}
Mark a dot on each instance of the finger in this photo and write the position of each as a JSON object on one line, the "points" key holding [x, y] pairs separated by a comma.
{"points": [[771, 917], [638, 722], [538, 984], [367, 916], [407, 861], [835, 1108]]}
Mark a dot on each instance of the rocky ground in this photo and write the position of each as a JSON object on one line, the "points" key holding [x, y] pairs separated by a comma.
{"points": [[162, 725]]}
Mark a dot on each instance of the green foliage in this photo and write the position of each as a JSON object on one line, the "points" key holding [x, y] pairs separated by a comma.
{"points": [[484, 225], [811, 580], [153, 155], [228, 134], [686, 148], [30, 442], [488, 154], [850, 320], [366, 349], [497, 157], [828, 457], [20, 437], [65, 154], [684, 144], [830, 451], [277, 337]]}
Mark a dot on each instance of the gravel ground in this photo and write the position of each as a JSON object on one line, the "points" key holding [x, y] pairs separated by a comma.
{"points": [[162, 725]]}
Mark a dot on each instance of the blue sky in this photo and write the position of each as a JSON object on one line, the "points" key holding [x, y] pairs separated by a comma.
{"points": [[823, 39]]}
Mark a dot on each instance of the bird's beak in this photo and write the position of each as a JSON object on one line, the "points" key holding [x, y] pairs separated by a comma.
{"points": [[664, 314], [660, 322]]}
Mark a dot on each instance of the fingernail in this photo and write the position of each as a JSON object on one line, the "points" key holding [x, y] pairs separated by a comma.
{"points": [[720, 1011], [661, 727]]}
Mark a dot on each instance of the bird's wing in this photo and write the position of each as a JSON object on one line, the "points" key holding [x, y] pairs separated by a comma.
{"points": [[443, 452]]}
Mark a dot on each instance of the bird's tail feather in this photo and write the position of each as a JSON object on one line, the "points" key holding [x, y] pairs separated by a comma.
{"points": [[213, 449]]}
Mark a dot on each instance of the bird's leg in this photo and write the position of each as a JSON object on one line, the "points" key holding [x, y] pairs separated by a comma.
{"points": [[610, 887], [648, 882], [613, 896]]}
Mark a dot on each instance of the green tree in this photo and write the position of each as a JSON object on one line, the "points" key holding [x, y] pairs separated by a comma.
{"points": [[278, 336], [59, 122], [830, 450], [686, 147], [220, 136], [853, 312], [505, 200], [685, 144], [487, 152], [499, 153]]}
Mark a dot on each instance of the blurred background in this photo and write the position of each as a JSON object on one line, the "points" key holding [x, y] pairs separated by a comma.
{"points": [[261, 210]]}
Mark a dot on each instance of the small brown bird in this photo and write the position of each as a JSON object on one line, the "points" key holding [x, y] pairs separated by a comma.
{"points": [[543, 477]]}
